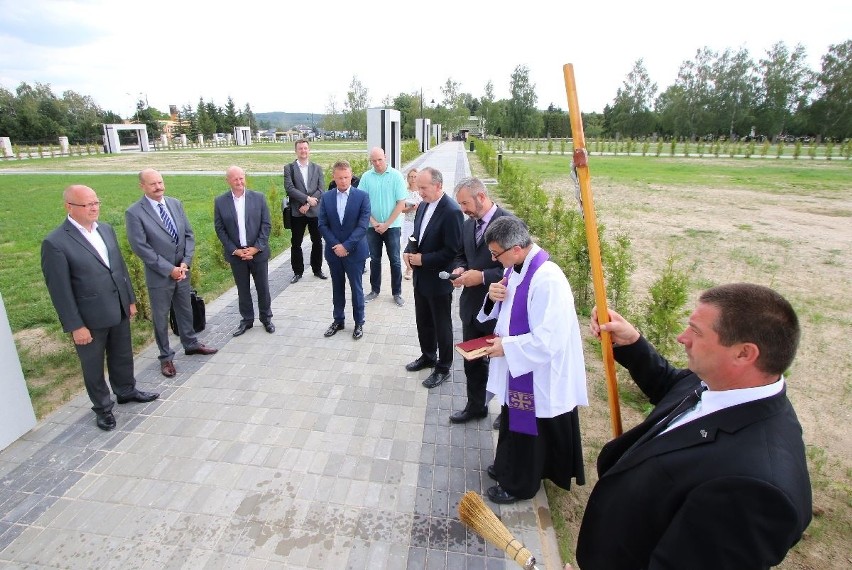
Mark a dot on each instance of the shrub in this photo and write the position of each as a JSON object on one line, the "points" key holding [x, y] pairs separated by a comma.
{"points": [[273, 200], [665, 310], [618, 265]]}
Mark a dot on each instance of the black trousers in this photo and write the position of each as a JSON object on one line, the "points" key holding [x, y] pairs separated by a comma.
{"points": [[113, 343], [435, 328], [297, 233], [556, 453], [244, 272]]}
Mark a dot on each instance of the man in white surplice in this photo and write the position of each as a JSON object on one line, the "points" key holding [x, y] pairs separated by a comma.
{"points": [[536, 370]]}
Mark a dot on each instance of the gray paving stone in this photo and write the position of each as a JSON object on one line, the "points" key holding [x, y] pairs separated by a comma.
{"points": [[247, 461]]}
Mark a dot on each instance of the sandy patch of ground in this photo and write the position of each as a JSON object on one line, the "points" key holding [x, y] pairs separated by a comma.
{"points": [[38, 341]]}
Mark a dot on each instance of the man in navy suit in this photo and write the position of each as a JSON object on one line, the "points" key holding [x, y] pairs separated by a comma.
{"points": [[241, 219], [476, 270], [344, 216], [437, 229], [91, 291], [724, 483]]}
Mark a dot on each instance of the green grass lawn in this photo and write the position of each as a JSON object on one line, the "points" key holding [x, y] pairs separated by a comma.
{"points": [[32, 207], [764, 176], [266, 157]]}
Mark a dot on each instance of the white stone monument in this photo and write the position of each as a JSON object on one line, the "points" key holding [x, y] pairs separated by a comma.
{"points": [[63, 145], [383, 130], [436, 133], [111, 142], [6, 147], [200, 139], [183, 140], [422, 130], [16, 408], [242, 135]]}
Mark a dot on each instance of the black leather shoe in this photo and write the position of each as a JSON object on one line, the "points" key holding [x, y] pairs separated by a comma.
{"points": [[499, 495], [138, 396], [332, 329], [420, 364], [320, 275], [243, 328], [436, 379], [466, 415], [106, 421], [201, 349], [270, 328], [358, 332], [491, 472], [295, 278]]}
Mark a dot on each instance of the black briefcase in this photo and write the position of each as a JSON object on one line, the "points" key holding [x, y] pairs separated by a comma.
{"points": [[199, 315], [286, 213]]}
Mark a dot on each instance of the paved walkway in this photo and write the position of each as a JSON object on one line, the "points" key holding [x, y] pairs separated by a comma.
{"points": [[281, 451]]}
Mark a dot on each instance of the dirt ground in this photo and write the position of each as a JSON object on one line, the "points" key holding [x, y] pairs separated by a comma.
{"points": [[800, 245]]}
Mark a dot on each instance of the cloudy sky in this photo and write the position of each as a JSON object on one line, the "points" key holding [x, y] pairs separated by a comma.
{"points": [[295, 57]]}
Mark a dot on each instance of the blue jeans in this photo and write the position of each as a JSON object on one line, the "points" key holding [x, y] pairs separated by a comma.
{"points": [[390, 239]]}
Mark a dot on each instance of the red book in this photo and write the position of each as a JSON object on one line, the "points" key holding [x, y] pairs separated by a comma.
{"points": [[475, 347]]}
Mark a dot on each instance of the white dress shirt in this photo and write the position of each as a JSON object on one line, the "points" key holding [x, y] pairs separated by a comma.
{"points": [[94, 238]]}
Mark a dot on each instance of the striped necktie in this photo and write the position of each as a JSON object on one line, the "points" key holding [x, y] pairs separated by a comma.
{"points": [[480, 230], [168, 221]]}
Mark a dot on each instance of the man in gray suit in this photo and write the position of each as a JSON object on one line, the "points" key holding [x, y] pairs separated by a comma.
{"points": [[304, 183], [159, 233], [241, 219], [91, 291], [475, 270]]}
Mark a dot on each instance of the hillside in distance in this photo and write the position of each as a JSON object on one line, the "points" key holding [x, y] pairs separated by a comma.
{"points": [[281, 120]]}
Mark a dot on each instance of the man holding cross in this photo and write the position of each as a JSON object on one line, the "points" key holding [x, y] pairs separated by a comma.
{"points": [[716, 475]]}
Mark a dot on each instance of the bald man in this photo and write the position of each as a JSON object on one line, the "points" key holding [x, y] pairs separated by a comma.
{"points": [[160, 234], [387, 191], [91, 291], [242, 222]]}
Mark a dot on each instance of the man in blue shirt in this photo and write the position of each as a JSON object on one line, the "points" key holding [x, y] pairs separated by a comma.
{"points": [[387, 191]]}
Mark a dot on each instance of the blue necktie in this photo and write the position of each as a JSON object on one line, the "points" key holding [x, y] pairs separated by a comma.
{"points": [[168, 221]]}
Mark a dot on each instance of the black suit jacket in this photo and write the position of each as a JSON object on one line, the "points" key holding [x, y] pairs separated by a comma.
{"points": [[258, 224], [473, 256], [439, 246], [84, 290], [727, 490]]}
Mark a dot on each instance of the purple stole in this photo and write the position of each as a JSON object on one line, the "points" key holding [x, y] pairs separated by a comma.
{"points": [[521, 400]]}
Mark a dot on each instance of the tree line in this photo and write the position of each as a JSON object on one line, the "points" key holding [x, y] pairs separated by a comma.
{"points": [[715, 94], [34, 114], [728, 94]]}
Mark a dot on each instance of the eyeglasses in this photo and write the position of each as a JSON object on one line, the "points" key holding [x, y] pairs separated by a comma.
{"points": [[496, 256], [89, 205]]}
